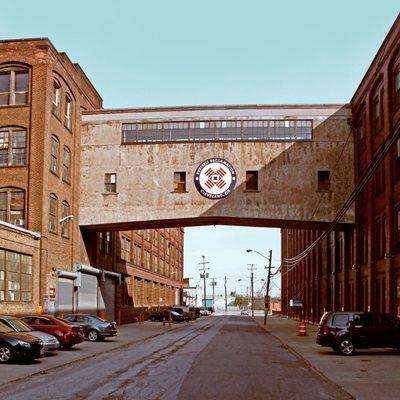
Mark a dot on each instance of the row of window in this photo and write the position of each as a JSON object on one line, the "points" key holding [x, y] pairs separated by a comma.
{"points": [[55, 159], [14, 90], [379, 238], [282, 130], [57, 105], [54, 219], [378, 107], [15, 276], [251, 182]]}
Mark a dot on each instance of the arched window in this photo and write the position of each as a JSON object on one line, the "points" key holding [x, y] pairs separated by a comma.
{"points": [[14, 86], [54, 154], [68, 112], [12, 206], [65, 211], [56, 106], [66, 172], [53, 213], [12, 146]]}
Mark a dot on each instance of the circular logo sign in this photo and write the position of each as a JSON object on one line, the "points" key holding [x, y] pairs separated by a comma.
{"points": [[215, 178]]}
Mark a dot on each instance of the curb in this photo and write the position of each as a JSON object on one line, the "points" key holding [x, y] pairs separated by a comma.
{"points": [[45, 370], [299, 355]]}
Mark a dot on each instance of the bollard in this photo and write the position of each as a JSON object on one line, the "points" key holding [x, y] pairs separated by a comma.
{"points": [[302, 329]]}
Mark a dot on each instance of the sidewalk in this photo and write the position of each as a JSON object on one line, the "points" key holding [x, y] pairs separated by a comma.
{"points": [[127, 334], [369, 374]]}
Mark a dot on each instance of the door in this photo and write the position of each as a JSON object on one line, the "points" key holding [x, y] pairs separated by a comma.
{"points": [[65, 297], [108, 289], [364, 331], [87, 294]]}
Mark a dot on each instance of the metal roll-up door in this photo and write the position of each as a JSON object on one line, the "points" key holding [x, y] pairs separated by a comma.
{"points": [[108, 288], [87, 294], [65, 297]]}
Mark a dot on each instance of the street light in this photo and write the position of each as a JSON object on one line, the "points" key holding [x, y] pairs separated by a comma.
{"points": [[268, 279]]}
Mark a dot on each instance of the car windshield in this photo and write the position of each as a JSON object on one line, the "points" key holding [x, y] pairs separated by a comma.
{"points": [[20, 326], [4, 328]]}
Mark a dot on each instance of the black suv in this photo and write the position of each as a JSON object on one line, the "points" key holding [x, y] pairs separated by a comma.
{"points": [[347, 331]]}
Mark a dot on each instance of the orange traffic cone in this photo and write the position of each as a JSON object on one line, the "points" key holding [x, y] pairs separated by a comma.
{"points": [[302, 329]]}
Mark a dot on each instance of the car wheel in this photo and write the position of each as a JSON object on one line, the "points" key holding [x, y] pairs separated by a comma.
{"points": [[93, 336], [346, 347], [5, 353]]}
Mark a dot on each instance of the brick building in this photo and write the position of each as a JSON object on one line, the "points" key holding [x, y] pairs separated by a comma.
{"points": [[359, 268], [42, 96]]}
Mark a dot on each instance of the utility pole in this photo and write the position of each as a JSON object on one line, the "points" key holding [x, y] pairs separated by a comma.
{"points": [[226, 296], [252, 269], [204, 275], [213, 284], [267, 299]]}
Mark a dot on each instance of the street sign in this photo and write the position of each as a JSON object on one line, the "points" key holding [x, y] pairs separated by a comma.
{"points": [[296, 303]]}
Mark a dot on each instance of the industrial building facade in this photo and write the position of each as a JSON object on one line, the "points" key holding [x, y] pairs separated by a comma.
{"points": [[46, 261], [358, 268]]}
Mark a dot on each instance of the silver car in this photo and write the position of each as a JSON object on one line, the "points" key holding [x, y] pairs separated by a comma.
{"points": [[50, 342]]}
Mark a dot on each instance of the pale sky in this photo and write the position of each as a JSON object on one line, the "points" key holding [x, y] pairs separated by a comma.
{"points": [[186, 52]]}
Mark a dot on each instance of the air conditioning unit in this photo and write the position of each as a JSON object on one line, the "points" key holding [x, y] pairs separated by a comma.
{"points": [[20, 222]]}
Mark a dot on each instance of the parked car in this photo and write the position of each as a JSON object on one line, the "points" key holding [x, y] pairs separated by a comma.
{"points": [[196, 311], [184, 311], [18, 345], [94, 327], [163, 315], [350, 330], [50, 342], [67, 334]]}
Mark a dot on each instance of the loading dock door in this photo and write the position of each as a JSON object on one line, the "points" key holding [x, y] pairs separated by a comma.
{"points": [[65, 298], [108, 289], [87, 294]]}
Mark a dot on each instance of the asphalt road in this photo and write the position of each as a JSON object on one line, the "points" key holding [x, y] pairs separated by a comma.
{"points": [[221, 357]]}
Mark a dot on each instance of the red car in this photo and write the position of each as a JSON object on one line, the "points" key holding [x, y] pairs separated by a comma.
{"points": [[67, 334]]}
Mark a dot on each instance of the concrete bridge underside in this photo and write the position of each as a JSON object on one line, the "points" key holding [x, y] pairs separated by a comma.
{"points": [[287, 195]]}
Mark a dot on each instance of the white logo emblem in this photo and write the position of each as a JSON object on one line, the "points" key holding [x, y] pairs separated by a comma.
{"points": [[215, 178]]}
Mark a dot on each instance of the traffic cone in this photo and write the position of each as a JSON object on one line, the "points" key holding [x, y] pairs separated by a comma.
{"points": [[302, 329]]}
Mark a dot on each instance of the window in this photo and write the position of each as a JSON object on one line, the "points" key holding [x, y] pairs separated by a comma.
{"points": [[108, 243], [66, 172], [14, 84], [379, 179], [361, 126], [12, 206], [377, 110], [179, 182], [101, 242], [324, 180], [65, 212], [53, 213], [147, 259], [12, 146], [125, 249], [340, 319], [56, 106], [397, 237], [54, 151], [231, 130], [110, 183], [251, 180], [380, 235], [15, 276], [138, 255], [68, 112], [396, 81]]}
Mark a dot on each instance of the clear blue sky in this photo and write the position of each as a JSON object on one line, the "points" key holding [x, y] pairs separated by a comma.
{"points": [[152, 53]]}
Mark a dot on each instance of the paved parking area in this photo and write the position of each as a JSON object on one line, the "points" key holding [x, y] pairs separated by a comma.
{"points": [[368, 374], [127, 334]]}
